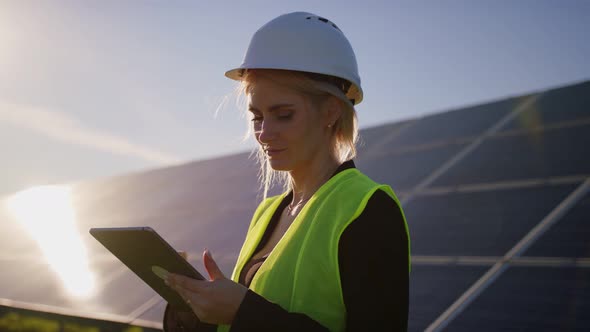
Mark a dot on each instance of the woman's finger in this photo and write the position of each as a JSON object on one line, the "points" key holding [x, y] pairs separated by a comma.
{"points": [[211, 266], [178, 281]]}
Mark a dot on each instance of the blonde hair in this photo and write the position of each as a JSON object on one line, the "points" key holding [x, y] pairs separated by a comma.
{"points": [[318, 88]]}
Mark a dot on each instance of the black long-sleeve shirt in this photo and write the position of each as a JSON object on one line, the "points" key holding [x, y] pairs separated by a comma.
{"points": [[375, 300]]}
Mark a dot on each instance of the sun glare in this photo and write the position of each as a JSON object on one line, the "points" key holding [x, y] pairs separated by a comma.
{"points": [[47, 214]]}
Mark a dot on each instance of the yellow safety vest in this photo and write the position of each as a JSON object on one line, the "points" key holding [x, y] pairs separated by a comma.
{"points": [[301, 274]]}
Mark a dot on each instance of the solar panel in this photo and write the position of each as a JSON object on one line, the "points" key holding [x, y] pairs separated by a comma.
{"points": [[38, 283], [569, 237], [111, 283], [405, 170], [15, 240], [551, 153], [464, 123], [378, 135], [434, 288], [155, 313], [26, 271], [568, 104], [530, 299], [478, 223]]}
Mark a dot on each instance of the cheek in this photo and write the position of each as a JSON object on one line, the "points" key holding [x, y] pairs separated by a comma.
{"points": [[308, 138], [297, 133], [314, 132]]}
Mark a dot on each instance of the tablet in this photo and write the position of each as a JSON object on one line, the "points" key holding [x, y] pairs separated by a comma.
{"points": [[146, 253]]}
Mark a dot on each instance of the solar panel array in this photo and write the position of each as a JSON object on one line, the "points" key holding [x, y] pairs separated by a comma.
{"points": [[496, 196]]}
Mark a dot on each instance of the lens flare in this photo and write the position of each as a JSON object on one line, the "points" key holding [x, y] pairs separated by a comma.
{"points": [[47, 214]]}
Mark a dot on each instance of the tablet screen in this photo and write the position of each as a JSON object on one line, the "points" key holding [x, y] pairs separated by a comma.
{"points": [[146, 253]]}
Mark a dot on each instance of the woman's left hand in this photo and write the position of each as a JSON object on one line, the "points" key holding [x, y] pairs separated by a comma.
{"points": [[214, 301]]}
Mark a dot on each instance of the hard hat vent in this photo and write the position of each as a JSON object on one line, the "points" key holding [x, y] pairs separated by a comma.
{"points": [[325, 20]]}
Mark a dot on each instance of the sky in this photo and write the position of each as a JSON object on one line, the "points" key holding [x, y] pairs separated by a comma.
{"points": [[94, 89]]}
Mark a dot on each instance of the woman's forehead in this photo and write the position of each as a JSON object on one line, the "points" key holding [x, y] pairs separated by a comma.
{"points": [[269, 92]]}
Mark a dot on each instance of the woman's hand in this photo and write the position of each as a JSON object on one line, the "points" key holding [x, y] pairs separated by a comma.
{"points": [[214, 301]]}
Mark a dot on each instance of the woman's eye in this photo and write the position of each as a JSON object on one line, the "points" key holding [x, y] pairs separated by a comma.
{"points": [[285, 116], [257, 118]]}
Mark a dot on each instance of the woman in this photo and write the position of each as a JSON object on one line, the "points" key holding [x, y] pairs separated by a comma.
{"points": [[314, 258]]}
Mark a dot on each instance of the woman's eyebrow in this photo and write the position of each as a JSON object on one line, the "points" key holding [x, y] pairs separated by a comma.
{"points": [[270, 109]]}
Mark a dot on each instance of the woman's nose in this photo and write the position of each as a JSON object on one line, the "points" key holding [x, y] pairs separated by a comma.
{"points": [[266, 132]]}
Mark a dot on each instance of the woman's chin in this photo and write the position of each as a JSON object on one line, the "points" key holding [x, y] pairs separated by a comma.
{"points": [[278, 165]]}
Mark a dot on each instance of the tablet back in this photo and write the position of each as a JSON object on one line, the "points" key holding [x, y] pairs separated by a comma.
{"points": [[141, 249]]}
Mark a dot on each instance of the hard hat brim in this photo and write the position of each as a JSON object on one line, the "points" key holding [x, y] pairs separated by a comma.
{"points": [[355, 93]]}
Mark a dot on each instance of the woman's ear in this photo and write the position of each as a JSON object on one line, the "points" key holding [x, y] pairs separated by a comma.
{"points": [[332, 111]]}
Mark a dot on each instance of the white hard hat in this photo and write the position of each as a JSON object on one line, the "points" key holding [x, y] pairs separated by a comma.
{"points": [[304, 42]]}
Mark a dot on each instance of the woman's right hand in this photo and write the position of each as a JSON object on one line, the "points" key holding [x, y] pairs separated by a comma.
{"points": [[214, 301]]}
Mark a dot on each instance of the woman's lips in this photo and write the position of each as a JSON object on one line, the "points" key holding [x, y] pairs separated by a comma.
{"points": [[274, 152]]}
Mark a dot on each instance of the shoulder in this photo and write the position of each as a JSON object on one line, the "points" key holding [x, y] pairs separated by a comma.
{"points": [[381, 205], [377, 195], [381, 226], [381, 218], [381, 199]]}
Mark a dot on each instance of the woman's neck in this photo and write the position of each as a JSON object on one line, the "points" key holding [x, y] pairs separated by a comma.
{"points": [[307, 181]]}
